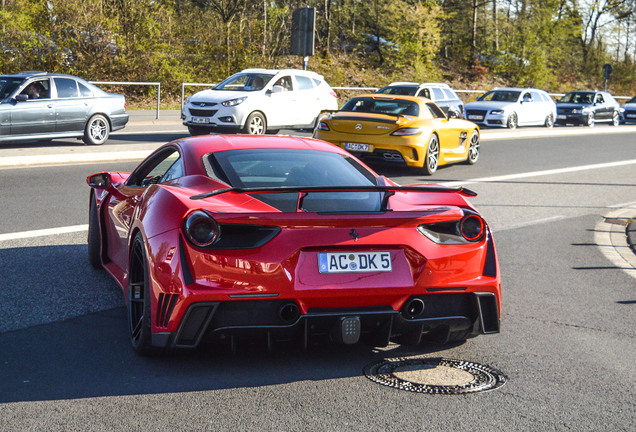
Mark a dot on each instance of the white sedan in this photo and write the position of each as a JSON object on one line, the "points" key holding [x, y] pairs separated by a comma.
{"points": [[258, 101], [512, 107]]}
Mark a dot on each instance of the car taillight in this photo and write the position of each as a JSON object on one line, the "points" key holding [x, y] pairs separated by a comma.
{"points": [[323, 126], [469, 229], [200, 228], [407, 131]]}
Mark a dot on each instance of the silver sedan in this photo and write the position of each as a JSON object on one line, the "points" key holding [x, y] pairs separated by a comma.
{"points": [[44, 106]]}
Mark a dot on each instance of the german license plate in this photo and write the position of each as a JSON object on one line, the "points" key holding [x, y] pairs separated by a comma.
{"points": [[354, 262], [357, 147], [475, 117], [200, 120], [630, 115], [561, 116]]}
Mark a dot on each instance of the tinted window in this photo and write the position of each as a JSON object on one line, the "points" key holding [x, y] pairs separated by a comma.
{"points": [[435, 110], [7, 85], [66, 88], [40, 89], [304, 83], [501, 96], [84, 91], [438, 94], [425, 93], [259, 168], [599, 98], [399, 90], [382, 106], [578, 98]]}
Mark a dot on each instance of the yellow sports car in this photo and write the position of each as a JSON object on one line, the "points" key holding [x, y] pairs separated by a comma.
{"points": [[400, 129]]}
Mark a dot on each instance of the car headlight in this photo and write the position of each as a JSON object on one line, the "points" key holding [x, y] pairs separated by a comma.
{"points": [[407, 131], [233, 102], [497, 112]]}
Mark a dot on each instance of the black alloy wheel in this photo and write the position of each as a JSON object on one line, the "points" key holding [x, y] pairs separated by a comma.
{"points": [[139, 306]]}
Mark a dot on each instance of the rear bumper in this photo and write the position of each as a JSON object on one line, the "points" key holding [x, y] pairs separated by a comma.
{"points": [[118, 121], [441, 317]]}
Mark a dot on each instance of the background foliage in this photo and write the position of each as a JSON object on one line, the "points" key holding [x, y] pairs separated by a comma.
{"points": [[558, 45]]}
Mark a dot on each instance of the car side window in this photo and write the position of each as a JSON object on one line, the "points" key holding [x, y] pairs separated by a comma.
{"points": [[304, 83], [84, 91], [599, 98], [436, 111], [285, 82], [527, 97], [66, 88], [449, 94], [425, 93], [438, 94], [536, 97], [40, 89], [164, 166]]}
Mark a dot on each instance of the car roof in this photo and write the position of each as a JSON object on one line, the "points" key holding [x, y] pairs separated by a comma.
{"points": [[33, 74], [426, 84], [198, 146], [277, 71], [384, 96], [518, 89]]}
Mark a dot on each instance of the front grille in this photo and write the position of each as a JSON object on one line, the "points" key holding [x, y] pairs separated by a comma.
{"points": [[476, 112], [564, 111], [165, 306], [202, 112]]}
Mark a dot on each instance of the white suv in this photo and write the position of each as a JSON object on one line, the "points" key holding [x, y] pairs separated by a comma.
{"points": [[512, 107], [440, 93], [258, 101]]}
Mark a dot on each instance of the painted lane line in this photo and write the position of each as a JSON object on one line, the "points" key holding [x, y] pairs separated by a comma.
{"points": [[531, 223], [540, 173], [43, 232], [61, 159]]}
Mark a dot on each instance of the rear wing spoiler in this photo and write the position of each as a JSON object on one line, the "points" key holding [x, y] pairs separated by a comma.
{"points": [[389, 191]]}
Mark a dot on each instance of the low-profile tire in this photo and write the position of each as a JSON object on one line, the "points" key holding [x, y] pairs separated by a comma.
{"points": [[512, 122], [589, 120], [138, 301], [94, 236], [549, 121], [97, 130], [473, 149], [432, 155], [196, 130], [255, 124], [616, 119]]}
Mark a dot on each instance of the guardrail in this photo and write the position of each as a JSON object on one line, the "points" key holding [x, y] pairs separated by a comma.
{"points": [[135, 83]]}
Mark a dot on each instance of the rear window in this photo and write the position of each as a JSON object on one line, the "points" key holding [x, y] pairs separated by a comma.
{"points": [[399, 90], [382, 106], [265, 168]]}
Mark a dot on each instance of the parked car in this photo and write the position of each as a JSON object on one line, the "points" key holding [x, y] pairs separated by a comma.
{"points": [[258, 101], [512, 107], [223, 238], [45, 106], [403, 129], [442, 94], [628, 111], [588, 108]]}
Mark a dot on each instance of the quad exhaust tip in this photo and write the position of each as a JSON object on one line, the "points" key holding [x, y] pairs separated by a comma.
{"points": [[289, 312], [413, 308]]}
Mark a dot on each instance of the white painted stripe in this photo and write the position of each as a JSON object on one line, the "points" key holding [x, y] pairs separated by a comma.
{"points": [[43, 232], [540, 173], [531, 223], [61, 159]]}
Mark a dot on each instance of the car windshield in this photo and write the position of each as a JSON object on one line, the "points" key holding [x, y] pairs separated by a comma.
{"points": [[632, 100], [501, 96], [578, 98], [399, 90], [382, 106], [8, 84], [245, 82], [265, 168]]}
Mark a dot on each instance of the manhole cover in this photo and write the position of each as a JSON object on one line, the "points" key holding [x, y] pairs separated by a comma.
{"points": [[434, 375]]}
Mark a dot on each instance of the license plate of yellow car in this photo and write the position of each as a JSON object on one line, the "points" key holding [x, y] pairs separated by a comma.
{"points": [[358, 147]]}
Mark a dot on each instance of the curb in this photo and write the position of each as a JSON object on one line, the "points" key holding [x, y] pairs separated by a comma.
{"points": [[631, 234]]}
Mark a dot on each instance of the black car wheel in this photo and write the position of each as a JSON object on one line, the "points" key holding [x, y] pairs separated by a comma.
{"points": [[512, 121], [97, 130], [616, 120], [94, 236], [432, 155], [549, 121], [139, 307], [589, 120], [255, 124], [196, 130], [473, 148]]}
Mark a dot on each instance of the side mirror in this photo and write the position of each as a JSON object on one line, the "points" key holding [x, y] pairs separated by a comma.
{"points": [[99, 181], [452, 114], [278, 89], [21, 98]]}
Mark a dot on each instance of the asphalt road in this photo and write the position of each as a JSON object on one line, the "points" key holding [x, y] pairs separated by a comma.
{"points": [[567, 345]]}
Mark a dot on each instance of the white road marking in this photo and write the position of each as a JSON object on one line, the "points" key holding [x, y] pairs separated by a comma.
{"points": [[43, 232], [540, 173], [533, 222]]}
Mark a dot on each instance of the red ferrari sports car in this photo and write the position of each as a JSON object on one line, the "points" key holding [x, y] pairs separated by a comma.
{"points": [[221, 238]]}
